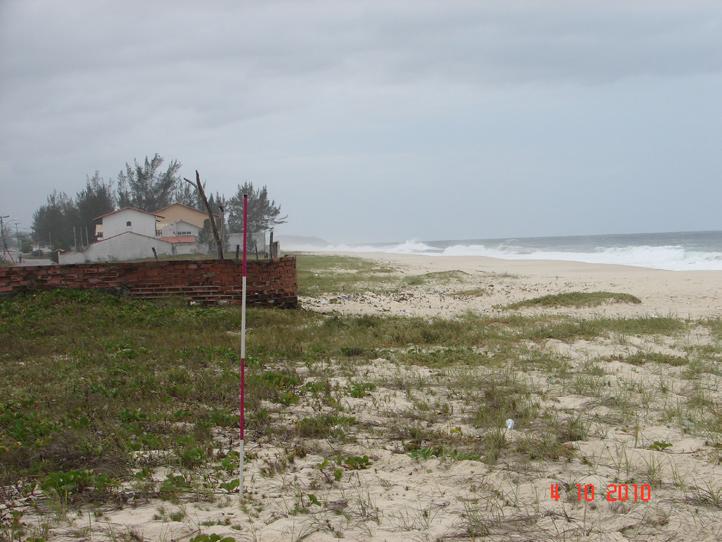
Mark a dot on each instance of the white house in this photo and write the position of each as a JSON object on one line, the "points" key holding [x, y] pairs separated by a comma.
{"points": [[134, 234], [125, 220], [181, 228]]}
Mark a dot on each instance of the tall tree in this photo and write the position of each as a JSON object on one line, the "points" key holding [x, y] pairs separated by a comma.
{"points": [[184, 193], [6, 237], [92, 201], [263, 213], [53, 222], [146, 186]]}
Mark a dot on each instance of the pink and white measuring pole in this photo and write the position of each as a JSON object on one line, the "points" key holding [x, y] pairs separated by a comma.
{"points": [[242, 387]]}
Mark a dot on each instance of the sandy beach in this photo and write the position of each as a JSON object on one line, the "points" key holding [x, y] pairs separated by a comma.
{"points": [[686, 294]]}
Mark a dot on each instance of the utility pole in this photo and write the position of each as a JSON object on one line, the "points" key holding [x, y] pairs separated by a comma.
{"points": [[223, 221], [18, 248]]}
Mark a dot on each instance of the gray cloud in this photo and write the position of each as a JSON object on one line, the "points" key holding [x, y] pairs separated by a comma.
{"points": [[351, 105]]}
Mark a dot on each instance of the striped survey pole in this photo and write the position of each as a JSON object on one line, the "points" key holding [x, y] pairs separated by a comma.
{"points": [[242, 386]]}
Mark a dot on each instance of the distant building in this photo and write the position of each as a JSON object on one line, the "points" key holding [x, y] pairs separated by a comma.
{"points": [[180, 228], [134, 234], [128, 219], [177, 212]]}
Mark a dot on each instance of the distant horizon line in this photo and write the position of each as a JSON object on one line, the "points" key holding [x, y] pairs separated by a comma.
{"points": [[504, 238]]}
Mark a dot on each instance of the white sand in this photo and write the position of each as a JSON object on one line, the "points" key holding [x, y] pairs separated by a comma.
{"points": [[694, 294]]}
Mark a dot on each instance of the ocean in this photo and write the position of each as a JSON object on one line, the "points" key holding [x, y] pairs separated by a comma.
{"points": [[677, 251]]}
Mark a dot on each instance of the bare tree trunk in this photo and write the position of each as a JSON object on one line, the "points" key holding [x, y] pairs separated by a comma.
{"points": [[202, 192]]}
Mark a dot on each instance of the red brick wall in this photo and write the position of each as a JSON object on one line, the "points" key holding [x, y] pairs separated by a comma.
{"points": [[205, 281]]}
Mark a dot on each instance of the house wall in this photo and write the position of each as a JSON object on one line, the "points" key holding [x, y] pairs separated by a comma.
{"points": [[174, 213], [270, 283], [190, 248], [170, 230], [123, 247], [140, 223]]}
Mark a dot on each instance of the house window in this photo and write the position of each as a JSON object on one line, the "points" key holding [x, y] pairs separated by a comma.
{"points": [[128, 223]]}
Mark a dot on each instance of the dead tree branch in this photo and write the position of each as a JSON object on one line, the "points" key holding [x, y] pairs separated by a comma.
{"points": [[216, 236]]}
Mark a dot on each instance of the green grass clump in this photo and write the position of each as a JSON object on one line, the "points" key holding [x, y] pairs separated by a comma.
{"points": [[640, 358], [503, 397], [173, 486], [543, 448], [435, 276], [571, 429], [493, 444], [443, 452], [358, 390], [472, 292], [356, 462], [659, 445], [566, 329], [576, 299], [324, 426], [69, 484]]}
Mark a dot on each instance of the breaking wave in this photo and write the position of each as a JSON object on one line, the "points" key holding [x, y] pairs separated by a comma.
{"points": [[675, 258], [407, 247], [671, 257]]}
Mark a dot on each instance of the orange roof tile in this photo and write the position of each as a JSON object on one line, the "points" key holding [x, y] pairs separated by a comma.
{"points": [[179, 239]]}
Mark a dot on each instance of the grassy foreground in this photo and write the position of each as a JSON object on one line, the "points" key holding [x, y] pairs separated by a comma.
{"points": [[98, 392]]}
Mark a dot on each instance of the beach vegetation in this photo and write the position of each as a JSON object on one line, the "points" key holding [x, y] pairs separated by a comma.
{"points": [[340, 275], [324, 426], [471, 292], [640, 358], [576, 300], [435, 277]]}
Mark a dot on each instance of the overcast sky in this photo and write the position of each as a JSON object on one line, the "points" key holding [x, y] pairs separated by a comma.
{"points": [[375, 121]]}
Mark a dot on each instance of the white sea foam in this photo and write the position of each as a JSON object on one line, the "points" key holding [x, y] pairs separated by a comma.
{"points": [[675, 258], [672, 257]]}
